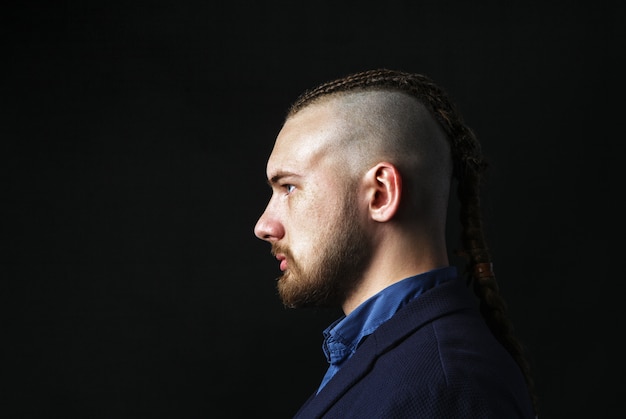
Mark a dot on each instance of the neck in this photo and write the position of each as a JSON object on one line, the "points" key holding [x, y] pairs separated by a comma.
{"points": [[393, 261]]}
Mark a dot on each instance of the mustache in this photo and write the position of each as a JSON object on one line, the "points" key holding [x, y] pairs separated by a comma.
{"points": [[279, 249]]}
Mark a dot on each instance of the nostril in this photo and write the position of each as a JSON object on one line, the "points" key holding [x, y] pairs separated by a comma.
{"points": [[268, 229]]}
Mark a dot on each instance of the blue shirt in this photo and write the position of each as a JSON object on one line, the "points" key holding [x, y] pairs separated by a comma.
{"points": [[344, 335]]}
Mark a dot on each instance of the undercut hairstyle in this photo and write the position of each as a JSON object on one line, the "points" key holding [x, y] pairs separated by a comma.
{"points": [[469, 166]]}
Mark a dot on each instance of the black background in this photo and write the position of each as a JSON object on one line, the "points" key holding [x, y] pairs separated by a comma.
{"points": [[134, 142]]}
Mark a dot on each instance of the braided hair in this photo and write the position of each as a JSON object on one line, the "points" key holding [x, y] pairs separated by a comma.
{"points": [[468, 168]]}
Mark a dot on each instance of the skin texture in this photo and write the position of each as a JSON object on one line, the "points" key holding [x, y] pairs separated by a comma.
{"points": [[360, 183]]}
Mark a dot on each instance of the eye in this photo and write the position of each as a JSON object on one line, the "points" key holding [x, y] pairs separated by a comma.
{"points": [[289, 188]]}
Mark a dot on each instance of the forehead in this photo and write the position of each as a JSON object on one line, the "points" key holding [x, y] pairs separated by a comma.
{"points": [[306, 139]]}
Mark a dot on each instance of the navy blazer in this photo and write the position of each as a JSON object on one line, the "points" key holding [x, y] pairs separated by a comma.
{"points": [[435, 358]]}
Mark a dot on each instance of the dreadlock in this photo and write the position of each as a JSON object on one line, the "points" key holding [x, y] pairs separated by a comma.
{"points": [[468, 168]]}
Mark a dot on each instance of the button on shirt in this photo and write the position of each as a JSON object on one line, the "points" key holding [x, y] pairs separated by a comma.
{"points": [[343, 336]]}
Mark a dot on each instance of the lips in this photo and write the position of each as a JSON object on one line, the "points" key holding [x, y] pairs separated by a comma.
{"points": [[283, 262]]}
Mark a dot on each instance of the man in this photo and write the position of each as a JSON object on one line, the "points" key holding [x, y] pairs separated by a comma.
{"points": [[361, 173]]}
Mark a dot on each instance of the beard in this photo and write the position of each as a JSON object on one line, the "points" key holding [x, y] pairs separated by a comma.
{"points": [[335, 267]]}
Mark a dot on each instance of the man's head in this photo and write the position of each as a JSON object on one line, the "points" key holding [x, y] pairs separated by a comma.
{"points": [[344, 164]]}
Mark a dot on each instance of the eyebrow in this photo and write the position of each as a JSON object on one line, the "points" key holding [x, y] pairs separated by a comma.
{"points": [[278, 176]]}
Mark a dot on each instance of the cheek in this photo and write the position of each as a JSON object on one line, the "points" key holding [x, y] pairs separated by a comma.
{"points": [[310, 221], [307, 227]]}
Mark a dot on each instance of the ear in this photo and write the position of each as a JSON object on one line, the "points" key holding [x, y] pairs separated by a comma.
{"points": [[384, 189]]}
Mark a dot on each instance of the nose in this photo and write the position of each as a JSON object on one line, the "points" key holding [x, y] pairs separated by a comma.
{"points": [[268, 228]]}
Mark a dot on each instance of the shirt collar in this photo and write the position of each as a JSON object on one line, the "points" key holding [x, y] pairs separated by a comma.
{"points": [[343, 336]]}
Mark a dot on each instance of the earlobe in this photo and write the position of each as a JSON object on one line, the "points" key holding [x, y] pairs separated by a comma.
{"points": [[385, 190]]}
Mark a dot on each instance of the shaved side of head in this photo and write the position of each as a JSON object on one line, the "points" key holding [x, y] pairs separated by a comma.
{"points": [[382, 125]]}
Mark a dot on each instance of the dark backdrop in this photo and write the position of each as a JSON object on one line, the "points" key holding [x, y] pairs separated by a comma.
{"points": [[134, 140]]}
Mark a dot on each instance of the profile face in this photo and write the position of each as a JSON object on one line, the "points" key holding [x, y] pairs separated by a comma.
{"points": [[312, 218]]}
